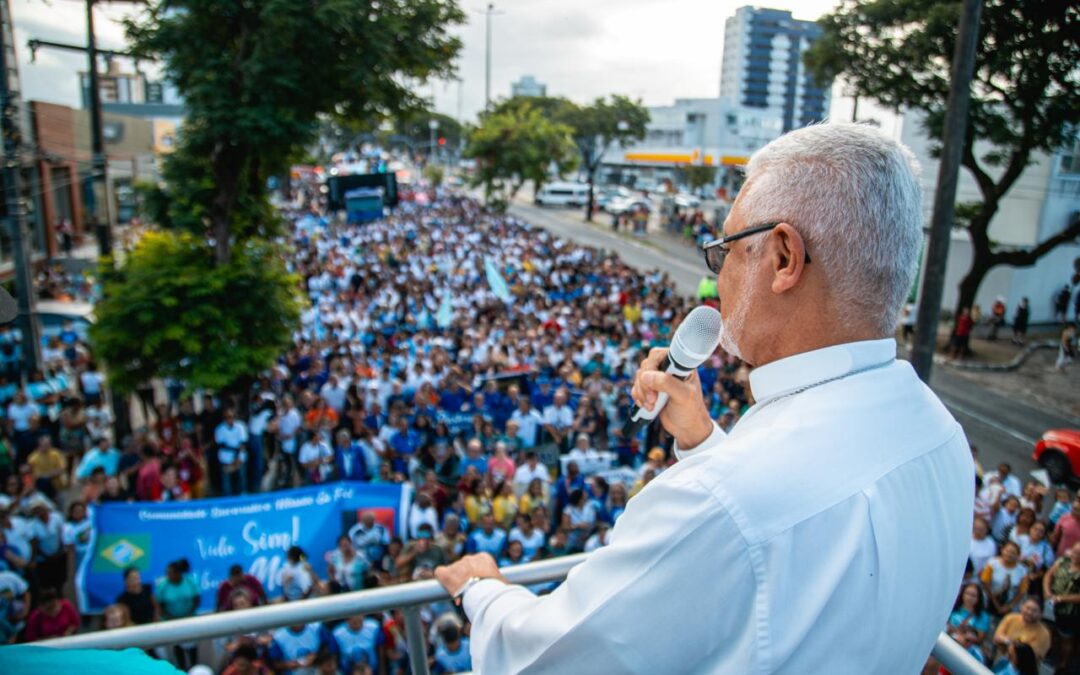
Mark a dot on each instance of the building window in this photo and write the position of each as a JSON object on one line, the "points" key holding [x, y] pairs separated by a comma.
{"points": [[1070, 159]]}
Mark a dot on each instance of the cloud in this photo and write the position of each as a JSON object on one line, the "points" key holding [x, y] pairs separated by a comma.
{"points": [[649, 49]]}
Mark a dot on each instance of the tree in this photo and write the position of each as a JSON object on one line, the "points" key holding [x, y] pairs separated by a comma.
{"points": [[414, 126], [599, 126], [697, 176], [1024, 94], [516, 146], [256, 76], [168, 311]]}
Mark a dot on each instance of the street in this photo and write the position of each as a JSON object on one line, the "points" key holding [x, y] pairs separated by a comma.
{"points": [[1003, 428]]}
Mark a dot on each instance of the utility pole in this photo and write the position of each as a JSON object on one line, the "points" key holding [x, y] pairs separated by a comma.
{"points": [[487, 60], [14, 203], [100, 216], [941, 222]]}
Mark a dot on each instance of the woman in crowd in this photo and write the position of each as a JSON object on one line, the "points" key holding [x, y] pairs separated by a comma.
{"points": [[178, 596], [54, 617], [969, 610], [296, 576], [117, 616], [1005, 579], [345, 568], [1061, 586], [505, 505], [138, 598], [983, 546]]}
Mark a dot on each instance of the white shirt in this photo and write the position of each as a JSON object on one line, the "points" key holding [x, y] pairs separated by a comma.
{"points": [[525, 474], [560, 417], [230, 439], [418, 516], [528, 424], [791, 545]]}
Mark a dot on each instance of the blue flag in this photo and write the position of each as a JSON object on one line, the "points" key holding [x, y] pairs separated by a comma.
{"points": [[446, 313], [496, 281]]}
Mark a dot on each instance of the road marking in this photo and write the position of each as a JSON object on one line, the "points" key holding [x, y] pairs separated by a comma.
{"points": [[989, 422]]}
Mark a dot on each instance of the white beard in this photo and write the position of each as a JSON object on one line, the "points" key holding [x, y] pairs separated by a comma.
{"points": [[735, 325]]}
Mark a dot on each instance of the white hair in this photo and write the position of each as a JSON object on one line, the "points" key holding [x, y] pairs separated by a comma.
{"points": [[853, 194]]}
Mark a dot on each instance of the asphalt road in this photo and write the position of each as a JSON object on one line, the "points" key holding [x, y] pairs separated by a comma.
{"points": [[1003, 428]]}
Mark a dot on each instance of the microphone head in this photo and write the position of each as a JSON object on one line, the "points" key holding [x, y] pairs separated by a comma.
{"points": [[696, 338]]}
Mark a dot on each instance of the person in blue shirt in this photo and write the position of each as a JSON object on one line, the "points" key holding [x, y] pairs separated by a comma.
{"points": [[101, 455], [294, 649], [474, 456], [350, 460], [487, 539], [452, 653], [360, 641]]}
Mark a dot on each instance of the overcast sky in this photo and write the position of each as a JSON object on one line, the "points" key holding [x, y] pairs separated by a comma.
{"points": [[655, 50]]}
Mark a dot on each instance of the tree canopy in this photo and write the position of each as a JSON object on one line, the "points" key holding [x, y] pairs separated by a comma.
{"points": [[595, 127], [1024, 94], [519, 145], [256, 76], [170, 312]]}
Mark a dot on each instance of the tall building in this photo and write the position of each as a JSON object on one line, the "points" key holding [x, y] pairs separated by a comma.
{"points": [[762, 67], [528, 86]]}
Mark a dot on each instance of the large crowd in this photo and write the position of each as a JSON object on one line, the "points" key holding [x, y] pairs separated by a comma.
{"points": [[481, 360]]}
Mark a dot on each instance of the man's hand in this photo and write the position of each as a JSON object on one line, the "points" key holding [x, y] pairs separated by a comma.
{"points": [[453, 577], [685, 416]]}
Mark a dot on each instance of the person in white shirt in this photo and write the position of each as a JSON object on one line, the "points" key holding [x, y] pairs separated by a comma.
{"points": [[231, 438], [422, 512], [528, 421], [559, 417], [532, 468], [792, 543], [288, 426], [1008, 480], [317, 459]]}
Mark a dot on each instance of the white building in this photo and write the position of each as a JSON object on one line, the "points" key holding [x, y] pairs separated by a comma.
{"points": [[1042, 202], [763, 68], [764, 92], [528, 86]]}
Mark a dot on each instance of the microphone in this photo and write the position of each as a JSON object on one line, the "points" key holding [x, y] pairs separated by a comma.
{"points": [[695, 340]]}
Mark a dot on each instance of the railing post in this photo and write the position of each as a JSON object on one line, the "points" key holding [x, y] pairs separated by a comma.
{"points": [[414, 633]]}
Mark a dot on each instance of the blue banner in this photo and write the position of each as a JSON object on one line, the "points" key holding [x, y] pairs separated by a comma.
{"points": [[214, 534]]}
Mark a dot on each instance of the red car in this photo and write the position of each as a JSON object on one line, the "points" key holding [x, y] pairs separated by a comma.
{"points": [[1058, 451]]}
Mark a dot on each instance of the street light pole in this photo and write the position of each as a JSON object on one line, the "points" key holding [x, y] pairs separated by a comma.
{"points": [[14, 203], [487, 59], [432, 126], [100, 215], [937, 253]]}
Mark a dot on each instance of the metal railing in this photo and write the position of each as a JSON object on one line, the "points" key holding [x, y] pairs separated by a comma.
{"points": [[409, 597]]}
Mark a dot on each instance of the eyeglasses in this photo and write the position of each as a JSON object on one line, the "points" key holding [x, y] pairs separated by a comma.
{"points": [[715, 251]]}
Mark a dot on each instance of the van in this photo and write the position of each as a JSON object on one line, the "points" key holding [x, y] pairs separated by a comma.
{"points": [[563, 194]]}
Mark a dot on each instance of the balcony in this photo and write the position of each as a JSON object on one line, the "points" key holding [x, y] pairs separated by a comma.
{"points": [[409, 597]]}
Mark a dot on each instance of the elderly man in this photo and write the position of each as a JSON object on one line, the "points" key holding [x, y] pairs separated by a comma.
{"points": [[791, 544]]}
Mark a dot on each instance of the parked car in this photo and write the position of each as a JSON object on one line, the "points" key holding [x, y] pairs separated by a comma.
{"points": [[687, 201], [606, 195], [622, 205], [1058, 451], [563, 194]]}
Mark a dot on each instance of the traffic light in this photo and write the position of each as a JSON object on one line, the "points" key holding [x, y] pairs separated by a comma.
{"points": [[442, 140]]}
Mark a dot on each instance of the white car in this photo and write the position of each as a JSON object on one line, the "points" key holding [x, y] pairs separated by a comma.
{"points": [[563, 194], [626, 204]]}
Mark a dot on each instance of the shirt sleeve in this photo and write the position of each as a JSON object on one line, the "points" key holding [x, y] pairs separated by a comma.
{"points": [[714, 439], [675, 547]]}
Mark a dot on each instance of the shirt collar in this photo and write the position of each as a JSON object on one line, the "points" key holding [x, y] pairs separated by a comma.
{"points": [[801, 370]]}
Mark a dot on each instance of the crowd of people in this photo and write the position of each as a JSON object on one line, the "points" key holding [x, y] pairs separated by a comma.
{"points": [[484, 361], [1021, 591]]}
